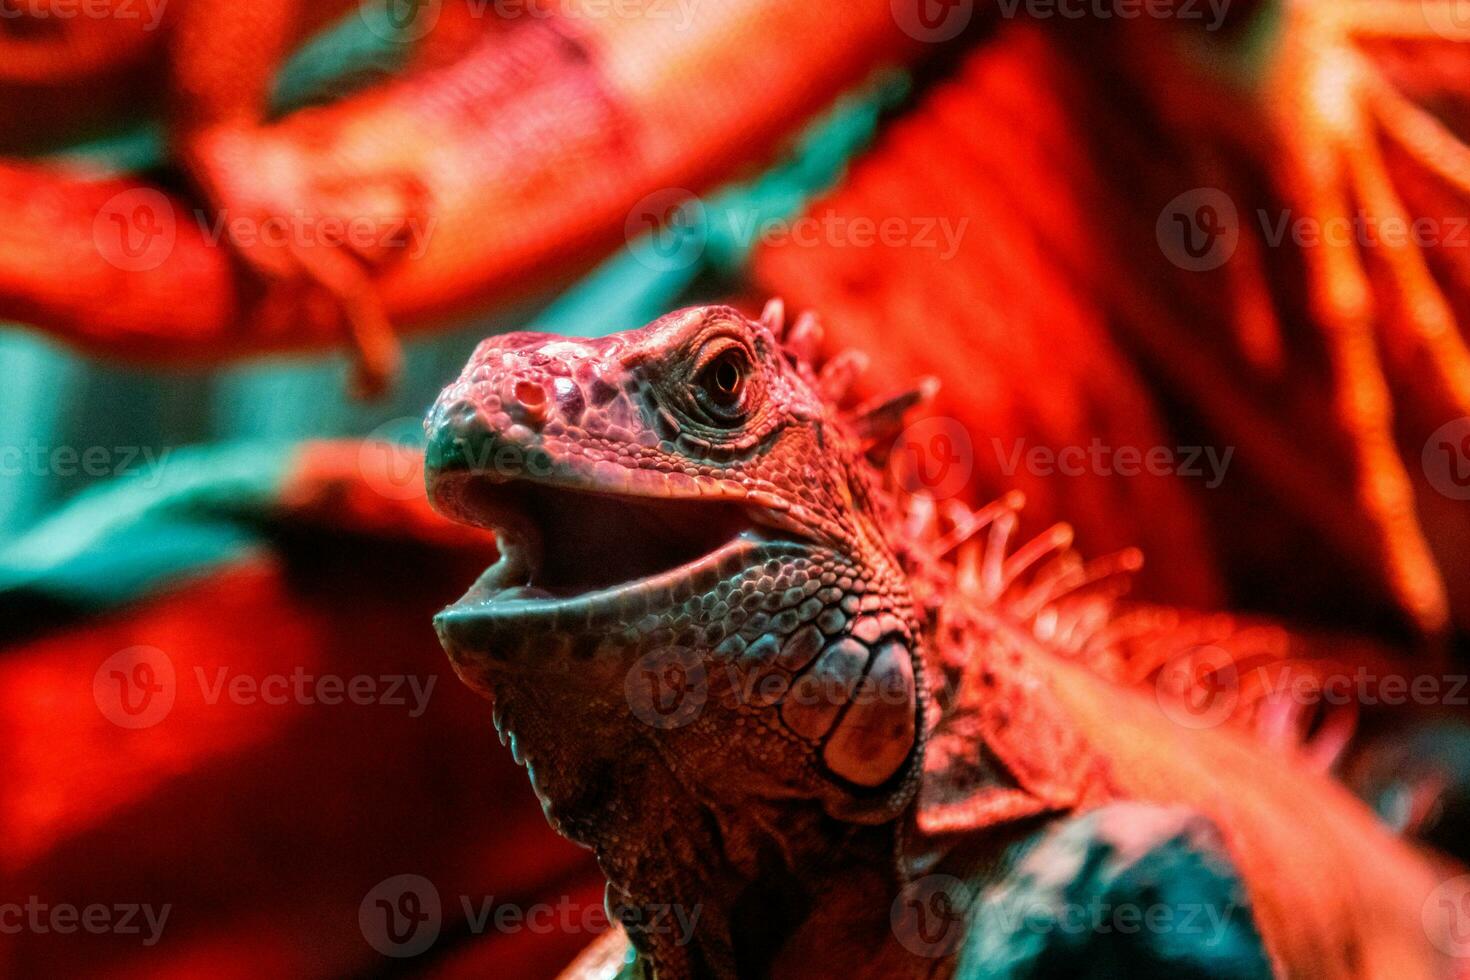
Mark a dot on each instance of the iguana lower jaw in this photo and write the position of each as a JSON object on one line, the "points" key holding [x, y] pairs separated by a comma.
{"points": [[573, 562]]}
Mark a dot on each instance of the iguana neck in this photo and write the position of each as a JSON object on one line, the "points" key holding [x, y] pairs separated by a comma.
{"points": [[705, 885], [725, 895]]}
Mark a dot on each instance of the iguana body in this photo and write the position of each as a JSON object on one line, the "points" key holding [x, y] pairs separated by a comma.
{"points": [[768, 699]]}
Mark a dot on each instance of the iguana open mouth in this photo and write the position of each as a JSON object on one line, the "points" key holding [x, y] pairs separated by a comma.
{"points": [[565, 550]]}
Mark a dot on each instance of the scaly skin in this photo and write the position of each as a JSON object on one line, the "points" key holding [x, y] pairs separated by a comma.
{"points": [[866, 692]]}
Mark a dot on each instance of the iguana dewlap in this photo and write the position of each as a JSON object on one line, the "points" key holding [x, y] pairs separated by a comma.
{"points": [[774, 705]]}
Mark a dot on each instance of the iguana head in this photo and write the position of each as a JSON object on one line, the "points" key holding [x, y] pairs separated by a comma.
{"points": [[696, 608]]}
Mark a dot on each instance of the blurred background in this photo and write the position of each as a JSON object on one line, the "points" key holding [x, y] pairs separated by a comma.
{"points": [[1193, 275]]}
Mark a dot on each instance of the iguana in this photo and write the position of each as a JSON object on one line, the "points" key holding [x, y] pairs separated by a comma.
{"points": [[810, 731]]}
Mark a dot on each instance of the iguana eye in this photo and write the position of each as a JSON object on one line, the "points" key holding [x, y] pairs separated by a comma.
{"points": [[724, 378], [721, 383]]}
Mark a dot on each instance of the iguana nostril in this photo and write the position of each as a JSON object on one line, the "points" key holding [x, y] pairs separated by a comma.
{"points": [[532, 399]]}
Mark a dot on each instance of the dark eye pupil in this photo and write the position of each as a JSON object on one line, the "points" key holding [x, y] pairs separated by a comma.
{"points": [[727, 377], [721, 384]]}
